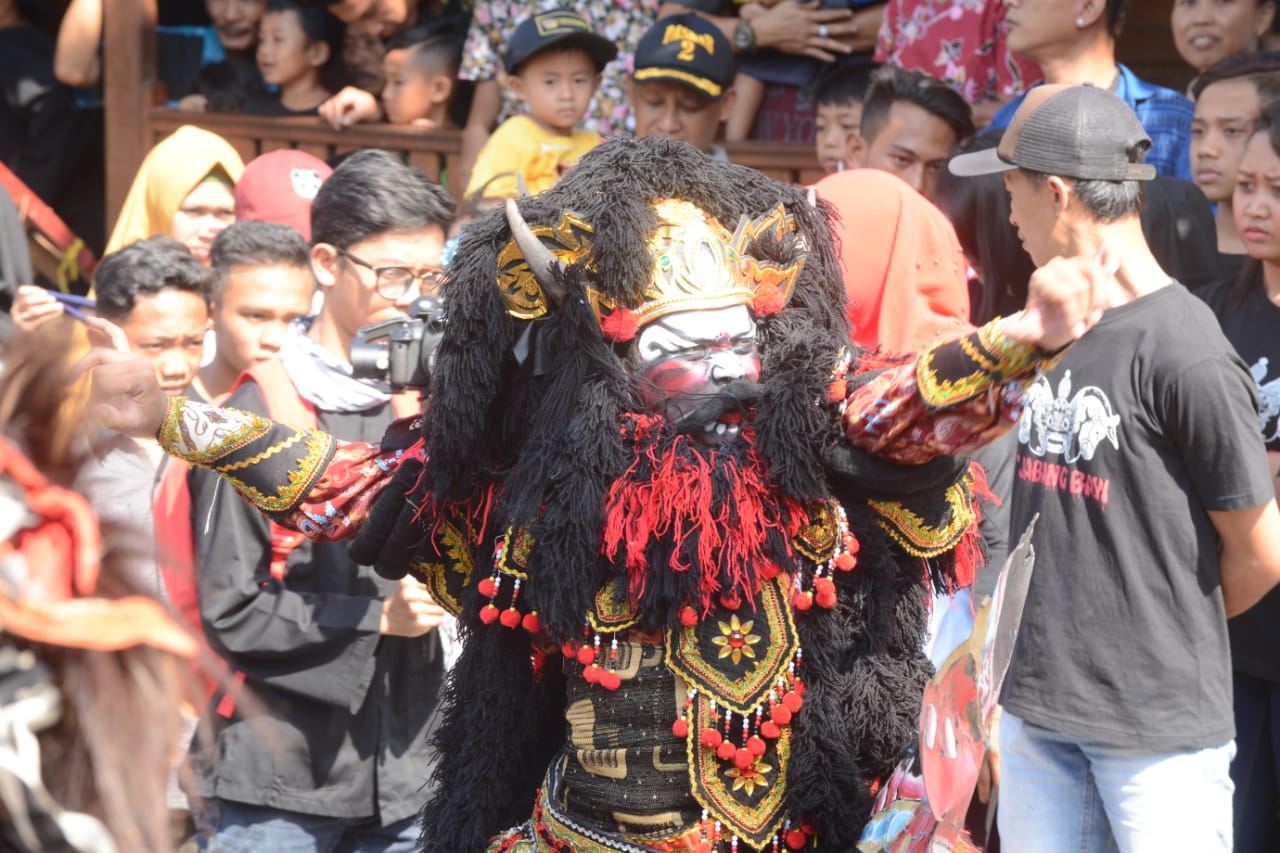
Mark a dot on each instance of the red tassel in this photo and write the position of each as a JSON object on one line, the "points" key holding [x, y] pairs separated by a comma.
{"points": [[680, 728], [780, 714], [488, 588], [743, 759], [796, 840], [770, 730], [726, 750], [488, 614], [591, 674], [825, 600], [569, 649], [837, 391], [688, 617], [530, 622], [610, 680], [845, 562], [756, 746], [620, 325], [710, 738], [510, 617], [792, 702], [802, 600], [586, 655]]}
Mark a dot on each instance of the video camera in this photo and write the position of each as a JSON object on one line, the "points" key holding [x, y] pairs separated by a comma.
{"points": [[401, 351]]}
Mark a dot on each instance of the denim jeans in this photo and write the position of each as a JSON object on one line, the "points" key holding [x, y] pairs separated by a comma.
{"points": [[1060, 794], [243, 828]]}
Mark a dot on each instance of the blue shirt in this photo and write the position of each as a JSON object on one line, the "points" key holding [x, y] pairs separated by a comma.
{"points": [[1165, 116]]}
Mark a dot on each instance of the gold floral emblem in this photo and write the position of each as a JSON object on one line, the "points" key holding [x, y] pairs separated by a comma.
{"points": [[747, 780], [735, 640]]}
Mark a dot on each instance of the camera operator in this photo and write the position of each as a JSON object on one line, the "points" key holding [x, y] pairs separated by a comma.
{"points": [[344, 666]]}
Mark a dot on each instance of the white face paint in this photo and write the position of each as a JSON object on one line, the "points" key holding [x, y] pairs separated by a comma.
{"points": [[687, 356]]}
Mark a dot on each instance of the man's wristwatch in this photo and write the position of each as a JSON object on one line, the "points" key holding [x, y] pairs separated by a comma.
{"points": [[744, 36]]}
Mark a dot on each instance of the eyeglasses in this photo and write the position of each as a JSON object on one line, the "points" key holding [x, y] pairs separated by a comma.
{"points": [[394, 282]]}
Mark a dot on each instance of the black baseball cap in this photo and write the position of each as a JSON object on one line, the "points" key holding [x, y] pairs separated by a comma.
{"points": [[1078, 132], [688, 49], [559, 27]]}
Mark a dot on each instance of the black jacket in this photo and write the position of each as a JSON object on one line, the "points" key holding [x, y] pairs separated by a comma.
{"points": [[335, 719]]}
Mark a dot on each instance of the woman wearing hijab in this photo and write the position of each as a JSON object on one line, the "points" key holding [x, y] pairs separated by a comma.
{"points": [[184, 189]]}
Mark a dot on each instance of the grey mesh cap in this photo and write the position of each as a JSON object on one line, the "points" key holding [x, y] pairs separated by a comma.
{"points": [[1071, 131]]}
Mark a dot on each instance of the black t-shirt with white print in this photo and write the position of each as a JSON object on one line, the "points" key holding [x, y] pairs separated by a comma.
{"points": [[1145, 423], [1252, 325]]}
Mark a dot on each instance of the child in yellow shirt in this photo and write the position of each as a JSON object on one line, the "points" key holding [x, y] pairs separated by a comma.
{"points": [[553, 64]]}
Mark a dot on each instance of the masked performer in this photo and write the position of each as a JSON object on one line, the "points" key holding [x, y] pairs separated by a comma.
{"points": [[688, 539]]}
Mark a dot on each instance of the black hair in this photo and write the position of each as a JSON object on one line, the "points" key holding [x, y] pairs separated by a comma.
{"points": [[890, 84], [144, 269], [259, 244], [318, 25], [373, 192], [1260, 67], [838, 85], [1251, 273], [1117, 12], [227, 84], [978, 208]]}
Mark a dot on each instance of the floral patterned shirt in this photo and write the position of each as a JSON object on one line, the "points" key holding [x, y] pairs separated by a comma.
{"points": [[961, 42], [622, 21]]}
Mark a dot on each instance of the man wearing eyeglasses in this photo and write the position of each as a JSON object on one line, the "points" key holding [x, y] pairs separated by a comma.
{"points": [[321, 741]]}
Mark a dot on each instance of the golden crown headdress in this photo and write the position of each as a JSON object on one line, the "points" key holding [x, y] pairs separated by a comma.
{"points": [[697, 265]]}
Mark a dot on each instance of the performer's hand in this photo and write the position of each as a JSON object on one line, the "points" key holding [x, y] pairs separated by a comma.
{"points": [[1065, 298], [410, 611], [124, 394]]}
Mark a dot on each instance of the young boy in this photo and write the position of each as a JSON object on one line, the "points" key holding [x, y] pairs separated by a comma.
{"points": [[553, 64], [839, 97], [420, 69]]}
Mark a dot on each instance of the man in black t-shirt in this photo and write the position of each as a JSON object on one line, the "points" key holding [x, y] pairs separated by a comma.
{"points": [[1140, 454]]}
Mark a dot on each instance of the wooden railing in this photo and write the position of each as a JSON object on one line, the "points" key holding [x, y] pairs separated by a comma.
{"points": [[431, 151]]}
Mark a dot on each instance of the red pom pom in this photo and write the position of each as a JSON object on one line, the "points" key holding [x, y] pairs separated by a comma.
{"points": [[488, 588], [821, 585], [530, 622], [688, 617], [802, 600], [770, 570], [845, 562], [826, 600], [620, 325], [799, 688], [780, 714], [768, 300], [610, 680], [837, 391], [680, 728], [591, 674], [488, 614], [726, 750], [743, 759], [792, 702], [796, 839], [770, 730], [586, 655], [732, 600], [756, 746], [851, 543], [710, 738], [510, 617]]}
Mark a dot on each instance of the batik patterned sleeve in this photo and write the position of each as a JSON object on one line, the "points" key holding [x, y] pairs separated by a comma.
{"points": [[303, 479], [953, 398]]}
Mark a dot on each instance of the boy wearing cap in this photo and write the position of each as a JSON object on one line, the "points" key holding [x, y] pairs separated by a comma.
{"points": [[1140, 454], [682, 86], [553, 64]]}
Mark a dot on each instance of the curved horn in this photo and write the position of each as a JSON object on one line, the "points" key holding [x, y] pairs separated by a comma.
{"points": [[545, 266], [812, 197], [522, 188]]}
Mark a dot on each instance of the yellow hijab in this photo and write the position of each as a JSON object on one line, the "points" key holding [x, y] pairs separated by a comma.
{"points": [[170, 172]]}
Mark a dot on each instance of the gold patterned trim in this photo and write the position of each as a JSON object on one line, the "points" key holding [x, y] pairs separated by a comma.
{"points": [[202, 434], [953, 371], [918, 538], [569, 240], [300, 480]]}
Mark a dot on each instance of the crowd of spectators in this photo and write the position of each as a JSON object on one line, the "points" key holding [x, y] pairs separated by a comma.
{"points": [[887, 91]]}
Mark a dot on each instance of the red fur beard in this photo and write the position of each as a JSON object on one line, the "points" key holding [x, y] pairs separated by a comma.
{"points": [[711, 516]]}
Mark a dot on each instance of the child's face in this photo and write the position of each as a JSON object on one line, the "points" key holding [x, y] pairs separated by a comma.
{"points": [[283, 53], [167, 328], [835, 123], [408, 93], [557, 85]]}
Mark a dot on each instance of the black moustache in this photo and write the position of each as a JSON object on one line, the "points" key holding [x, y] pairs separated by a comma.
{"points": [[738, 396]]}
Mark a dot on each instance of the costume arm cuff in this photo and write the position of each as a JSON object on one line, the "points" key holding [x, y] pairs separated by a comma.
{"points": [[271, 465], [954, 371]]}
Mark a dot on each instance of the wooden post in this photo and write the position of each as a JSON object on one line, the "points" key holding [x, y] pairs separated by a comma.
{"points": [[129, 78]]}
